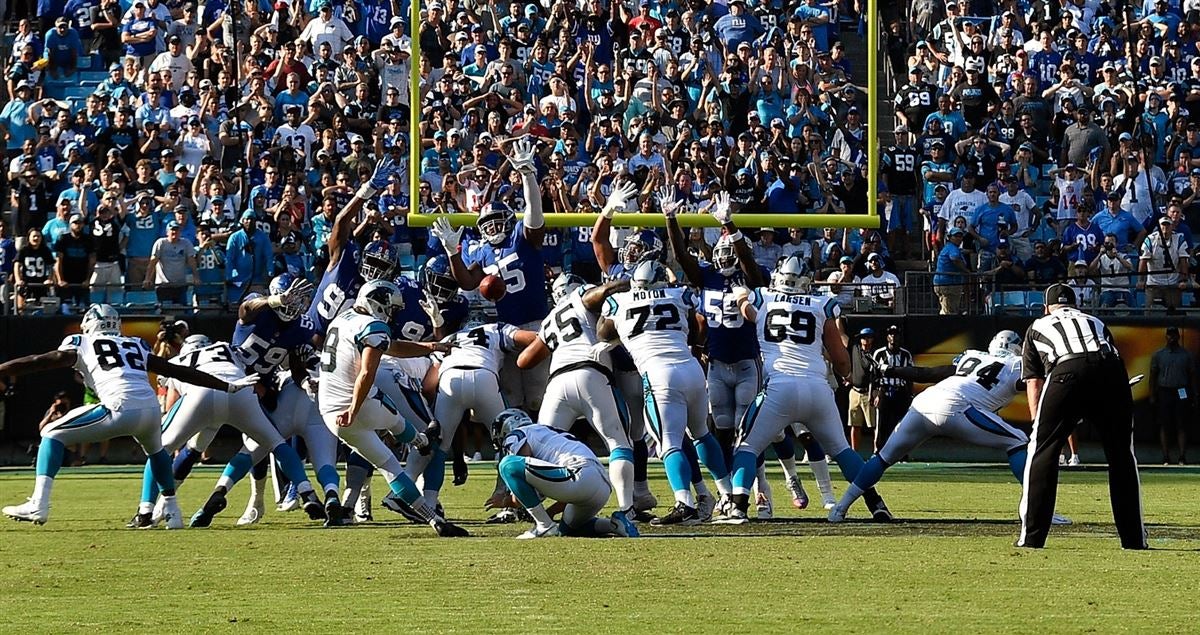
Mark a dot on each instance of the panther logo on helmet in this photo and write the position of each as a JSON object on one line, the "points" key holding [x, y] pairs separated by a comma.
{"points": [[101, 319], [379, 299], [437, 279], [1005, 344], [506, 422], [496, 222], [791, 275], [640, 247]]}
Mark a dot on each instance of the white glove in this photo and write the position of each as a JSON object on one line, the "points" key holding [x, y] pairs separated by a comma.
{"points": [[597, 351], [666, 200], [238, 385], [618, 198], [310, 386], [430, 307], [522, 158], [298, 290], [447, 235], [720, 208]]}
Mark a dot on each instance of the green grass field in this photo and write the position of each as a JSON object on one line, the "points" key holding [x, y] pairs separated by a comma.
{"points": [[948, 566]]}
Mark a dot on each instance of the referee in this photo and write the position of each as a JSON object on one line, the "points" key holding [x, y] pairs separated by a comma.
{"points": [[1073, 373]]}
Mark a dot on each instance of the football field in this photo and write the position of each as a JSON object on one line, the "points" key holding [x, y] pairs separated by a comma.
{"points": [[947, 566]]}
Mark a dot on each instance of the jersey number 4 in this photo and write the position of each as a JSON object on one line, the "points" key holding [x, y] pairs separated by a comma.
{"points": [[988, 376], [108, 355]]}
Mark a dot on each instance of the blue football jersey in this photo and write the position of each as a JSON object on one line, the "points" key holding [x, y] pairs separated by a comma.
{"points": [[523, 269], [730, 337], [412, 324], [337, 289], [263, 345]]}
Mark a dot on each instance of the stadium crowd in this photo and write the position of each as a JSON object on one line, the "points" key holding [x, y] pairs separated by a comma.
{"points": [[1046, 141], [224, 137]]}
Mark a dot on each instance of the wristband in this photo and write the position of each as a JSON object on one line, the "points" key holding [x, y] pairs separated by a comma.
{"points": [[366, 192], [737, 236], [274, 301]]}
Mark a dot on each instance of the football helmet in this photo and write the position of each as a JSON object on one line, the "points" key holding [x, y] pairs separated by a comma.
{"points": [[379, 299], [564, 285], [1004, 344], [194, 343], [506, 422], [101, 319], [437, 279], [791, 275], [295, 303], [378, 262], [724, 258], [641, 246], [650, 274], [496, 222]]}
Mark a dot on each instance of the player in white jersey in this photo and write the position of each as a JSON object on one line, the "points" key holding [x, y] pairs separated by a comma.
{"points": [[961, 405], [115, 367], [581, 385], [795, 331], [354, 409], [654, 322], [539, 461], [192, 409]]}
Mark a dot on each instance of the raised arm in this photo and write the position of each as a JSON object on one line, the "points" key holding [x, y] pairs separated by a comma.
{"points": [[161, 366], [687, 262], [601, 245]]}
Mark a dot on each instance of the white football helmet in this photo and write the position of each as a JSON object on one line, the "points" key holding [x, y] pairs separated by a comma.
{"points": [[101, 319], [724, 258], [791, 275], [649, 274], [379, 299], [564, 285], [506, 422], [1004, 344], [194, 343]]}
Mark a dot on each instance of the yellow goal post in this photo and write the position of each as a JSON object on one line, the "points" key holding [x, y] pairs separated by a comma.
{"points": [[868, 218]]}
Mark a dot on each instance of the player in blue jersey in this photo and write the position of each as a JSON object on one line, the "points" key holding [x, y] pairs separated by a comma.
{"points": [[734, 367], [342, 278], [512, 250]]}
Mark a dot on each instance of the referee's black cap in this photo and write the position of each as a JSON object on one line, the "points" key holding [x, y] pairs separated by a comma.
{"points": [[1060, 294]]}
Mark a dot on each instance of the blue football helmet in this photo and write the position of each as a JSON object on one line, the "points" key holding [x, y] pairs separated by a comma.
{"points": [[641, 246], [297, 304], [496, 222], [378, 262], [437, 279]]}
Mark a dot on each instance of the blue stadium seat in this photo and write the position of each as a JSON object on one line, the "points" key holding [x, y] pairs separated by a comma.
{"points": [[1035, 301], [407, 263], [140, 300]]}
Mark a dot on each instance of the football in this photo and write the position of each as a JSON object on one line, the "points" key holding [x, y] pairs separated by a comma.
{"points": [[492, 287]]}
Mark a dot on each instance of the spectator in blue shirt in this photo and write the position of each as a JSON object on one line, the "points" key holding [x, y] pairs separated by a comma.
{"points": [[1127, 230], [948, 282], [248, 258], [987, 225], [738, 26], [1083, 238], [63, 48]]}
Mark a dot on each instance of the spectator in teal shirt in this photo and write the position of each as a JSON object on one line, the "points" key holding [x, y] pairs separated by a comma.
{"points": [[14, 118], [948, 282], [248, 258], [63, 48]]}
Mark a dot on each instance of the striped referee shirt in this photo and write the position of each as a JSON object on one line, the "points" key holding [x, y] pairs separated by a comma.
{"points": [[1066, 331], [898, 358]]}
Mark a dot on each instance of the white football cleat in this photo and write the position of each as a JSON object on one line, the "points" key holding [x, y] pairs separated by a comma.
{"points": [[1074, 462], [799, 496], [253, 514], [766, 509], [29, 512], [1059, 519], [549, 531], [733, 516], [837, 513], [705, 504], [172, 515]]}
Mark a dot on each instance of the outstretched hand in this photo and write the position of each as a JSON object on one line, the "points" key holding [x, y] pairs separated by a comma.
{"points": [[523, 154]]}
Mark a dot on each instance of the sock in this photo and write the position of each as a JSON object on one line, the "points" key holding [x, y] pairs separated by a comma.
{"points": [[693, 460], [185, 459], [852, 493], [709, 451], [727, 438], [679, 476], [435, 471], [327, 476], [259, 471], [641, 456], [789, 467], [358, 470], [403, 487], [760, 480], [540, 515], [292, 466], [820, 470], [812, 448], [743, 471], [50, 457], [849, 462], [512, 472], [149, 487], [42, 484], [415, 464], [785, 451], [237, 468], [160, 467], [258, 488], [407, 435], [870, 473], [620, 472], [1016, 462]]}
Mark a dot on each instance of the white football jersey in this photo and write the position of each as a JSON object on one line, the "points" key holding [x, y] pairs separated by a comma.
{"points": [[985, 381], [216, 359], [547, 444], [481, 346], [570, 331], [114, 366], [790, 330], [653, 324], [341, 359]]}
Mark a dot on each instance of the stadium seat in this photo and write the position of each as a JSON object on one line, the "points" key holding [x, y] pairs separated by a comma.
{"points": [[1035, 303], [140, 301], [407, 263], [1007, 302]]}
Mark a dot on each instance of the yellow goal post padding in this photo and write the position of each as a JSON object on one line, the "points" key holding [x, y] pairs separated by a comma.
{"points": [[747, 220]]}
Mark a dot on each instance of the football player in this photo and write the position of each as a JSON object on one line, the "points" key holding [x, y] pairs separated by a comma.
{"points": [[581, 385], [511, 250], [961, 405], [115, 367], [654, 322], [355, 409], [795, 329], [541, 462]]}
